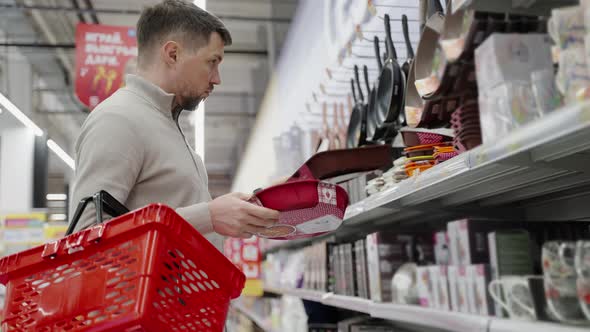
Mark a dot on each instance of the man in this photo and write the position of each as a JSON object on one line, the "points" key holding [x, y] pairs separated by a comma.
{"points": [[131, 144]]}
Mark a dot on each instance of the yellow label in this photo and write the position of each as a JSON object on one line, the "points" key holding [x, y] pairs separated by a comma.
{"points": [[253, 287]]}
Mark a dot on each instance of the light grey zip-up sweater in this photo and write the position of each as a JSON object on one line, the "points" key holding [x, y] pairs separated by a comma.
{"points": [[131, 146]]}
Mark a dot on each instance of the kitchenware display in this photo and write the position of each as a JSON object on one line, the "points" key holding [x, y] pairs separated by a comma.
{"points": [[426, 83], [563, 304], [516, 296], [404, 286], [308, 206], [566, 27], [391, 90]]}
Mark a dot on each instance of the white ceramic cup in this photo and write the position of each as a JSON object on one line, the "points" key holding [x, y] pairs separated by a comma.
{"points": [[517, 298], [558, 259], [563, 304]]}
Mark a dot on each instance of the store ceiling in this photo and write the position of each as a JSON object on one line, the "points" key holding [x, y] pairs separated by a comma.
{"points": [[259, 28]]}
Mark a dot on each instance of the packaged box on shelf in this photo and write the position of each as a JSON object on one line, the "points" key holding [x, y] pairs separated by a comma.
{"points": [[441, 248], [505, 57], [463, 302], [425, 286], [478, 278], [441, 287], [386, 252], [510, 254], [468, 240], [453, 278]]}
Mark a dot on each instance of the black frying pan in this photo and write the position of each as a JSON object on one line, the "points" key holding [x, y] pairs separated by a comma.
{"points": [[369, 116], [362, 137], [390, 92], [354, 124]]}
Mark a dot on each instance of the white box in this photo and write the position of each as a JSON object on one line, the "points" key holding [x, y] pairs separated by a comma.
{"points": [[453, 278], [453, 235], [462, 296], [424, 286], [443, 288], [506, 57]]}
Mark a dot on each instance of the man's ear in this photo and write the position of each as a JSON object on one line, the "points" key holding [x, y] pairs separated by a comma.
{"points": [[170, 52]]}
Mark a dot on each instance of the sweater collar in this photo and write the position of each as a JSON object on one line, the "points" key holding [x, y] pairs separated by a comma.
{"points": [[159, 98]]}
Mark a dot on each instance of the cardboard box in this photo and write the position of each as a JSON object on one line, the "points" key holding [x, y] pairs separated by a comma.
{"points": [[468, 240]]}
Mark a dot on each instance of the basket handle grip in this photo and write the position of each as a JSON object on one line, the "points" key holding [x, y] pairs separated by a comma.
{"points": [[103, 202]]}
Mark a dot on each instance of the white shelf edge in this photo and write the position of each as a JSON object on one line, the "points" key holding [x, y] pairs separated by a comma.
{"points": [[508, 325], [416, 315], [259, 321]]}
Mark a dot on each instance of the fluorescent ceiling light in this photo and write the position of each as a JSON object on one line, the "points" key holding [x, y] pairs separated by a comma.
{"points": [[10, 107], [61, 153], [57, 197]]}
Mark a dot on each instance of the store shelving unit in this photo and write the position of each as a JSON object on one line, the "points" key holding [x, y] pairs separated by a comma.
{"points": [[254, 317], [429, 318], [540, 172]]}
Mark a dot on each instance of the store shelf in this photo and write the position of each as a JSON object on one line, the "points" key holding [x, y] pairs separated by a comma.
{"points": [[449, 321], [428, 318], [259, 321], [539, 172], [507, 325], [527, 7]]}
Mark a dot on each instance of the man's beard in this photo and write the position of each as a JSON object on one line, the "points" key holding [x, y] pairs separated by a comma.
{"points": [[191, 104]]}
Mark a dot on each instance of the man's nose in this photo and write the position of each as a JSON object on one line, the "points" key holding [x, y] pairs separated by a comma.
{"points": [[215, 78]]}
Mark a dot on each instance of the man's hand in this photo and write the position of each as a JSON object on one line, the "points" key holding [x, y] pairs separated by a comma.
{"points": [[232, 215]]}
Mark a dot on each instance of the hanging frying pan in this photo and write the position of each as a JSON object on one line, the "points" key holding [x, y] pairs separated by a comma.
{"points": [[310, 207], [390, 92], [426, 82], [409, 48], [370, 107], [362, 135], [414, 104], [354, 123]]}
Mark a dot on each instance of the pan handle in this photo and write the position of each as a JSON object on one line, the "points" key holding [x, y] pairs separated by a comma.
{"points": [[434, 7], [366, 74], [423, 13], [377, 52], [353, 91], [388, 41], [358, 83], [409, 48]]}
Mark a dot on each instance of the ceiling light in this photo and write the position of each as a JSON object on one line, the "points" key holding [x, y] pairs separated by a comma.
{"points": [[61, 153], [10, 107], [57, 197]]}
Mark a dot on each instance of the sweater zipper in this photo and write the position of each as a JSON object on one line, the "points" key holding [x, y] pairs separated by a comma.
{"points": [[176, 116]]}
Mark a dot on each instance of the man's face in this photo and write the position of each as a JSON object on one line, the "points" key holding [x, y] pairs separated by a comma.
{"points": [[197, 72]]}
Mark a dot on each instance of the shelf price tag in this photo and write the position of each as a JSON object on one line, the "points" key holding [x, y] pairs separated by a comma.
{"points": [[481, 157]]}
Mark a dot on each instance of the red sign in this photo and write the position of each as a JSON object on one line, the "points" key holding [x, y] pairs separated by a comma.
{"points": [[104, 54]]}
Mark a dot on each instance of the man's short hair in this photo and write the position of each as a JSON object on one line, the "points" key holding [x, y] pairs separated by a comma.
{"points": [[178, 18]]}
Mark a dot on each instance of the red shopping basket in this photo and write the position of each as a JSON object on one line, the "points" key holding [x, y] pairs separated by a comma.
{"points": [[148, 270]]}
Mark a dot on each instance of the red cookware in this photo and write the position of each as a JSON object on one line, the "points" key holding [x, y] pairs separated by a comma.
{"points": [[310, 207]]}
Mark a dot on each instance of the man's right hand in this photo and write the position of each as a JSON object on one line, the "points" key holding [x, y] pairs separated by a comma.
{"points": [[232, 215]]}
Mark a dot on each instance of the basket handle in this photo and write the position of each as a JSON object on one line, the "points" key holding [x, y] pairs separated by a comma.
{"points": [[103, 202]]}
